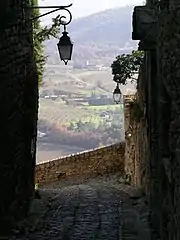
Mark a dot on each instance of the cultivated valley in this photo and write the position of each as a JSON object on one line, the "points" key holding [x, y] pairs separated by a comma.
{"points": [[76, 108]]}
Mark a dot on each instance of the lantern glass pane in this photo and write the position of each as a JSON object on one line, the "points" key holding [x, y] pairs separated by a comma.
{"points": [[65, 51], [117, 97]]}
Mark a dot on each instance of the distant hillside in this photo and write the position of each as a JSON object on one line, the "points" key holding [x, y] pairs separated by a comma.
{"points": [[98, 37]]}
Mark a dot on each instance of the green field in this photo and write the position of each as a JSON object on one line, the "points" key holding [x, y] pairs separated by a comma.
{"points": [[107, 107], [55, 111], [88, 92], [76, 81]]}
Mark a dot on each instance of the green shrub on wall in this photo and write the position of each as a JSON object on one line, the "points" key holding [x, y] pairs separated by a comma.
{"points": [[125, 67]]}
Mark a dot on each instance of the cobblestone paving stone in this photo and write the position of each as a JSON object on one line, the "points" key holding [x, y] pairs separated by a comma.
{"points": [[91, 211]]}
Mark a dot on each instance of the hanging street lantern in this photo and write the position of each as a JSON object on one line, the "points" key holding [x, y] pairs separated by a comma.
{"points": [[117, 94], [65, 47]]}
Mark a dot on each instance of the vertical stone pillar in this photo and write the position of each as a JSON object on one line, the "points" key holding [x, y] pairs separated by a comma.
{"points": [[169, 67], [136, 144], [129, 127], [18, 87]]}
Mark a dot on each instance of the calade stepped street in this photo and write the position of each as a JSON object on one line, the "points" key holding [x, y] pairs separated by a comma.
{"points": [[96, 208]]}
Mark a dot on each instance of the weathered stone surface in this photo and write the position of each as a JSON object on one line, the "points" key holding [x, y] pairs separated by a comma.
{"points": [[99, 161], [160, 133], [136, 144], [18, 80], [170, 77], [145, 26], [97, 209]]}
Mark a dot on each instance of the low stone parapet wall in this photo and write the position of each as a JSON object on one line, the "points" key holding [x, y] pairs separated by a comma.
{"points": [[98, 161]]}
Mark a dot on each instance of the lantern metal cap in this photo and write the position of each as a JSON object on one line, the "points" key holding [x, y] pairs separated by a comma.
{"points": [[64, 40], [117, 90]]}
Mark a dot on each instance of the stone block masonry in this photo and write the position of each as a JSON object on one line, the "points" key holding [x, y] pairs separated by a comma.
{"points": [[153, 152], [129, 165], [98, 161], [18, 87], [136, 153]]}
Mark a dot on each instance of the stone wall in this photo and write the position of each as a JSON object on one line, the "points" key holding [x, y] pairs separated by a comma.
{"points": [[102, 160], [136, 163], [169, 133], [136, 148], [155, 142], [130, 151], [162, 88], [18, 87]]}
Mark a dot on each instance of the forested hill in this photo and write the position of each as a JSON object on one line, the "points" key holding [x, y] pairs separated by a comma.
{"points": [[100, 36]]}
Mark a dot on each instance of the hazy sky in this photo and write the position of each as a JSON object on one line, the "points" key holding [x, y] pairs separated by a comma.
{"points": [[82, 8]]}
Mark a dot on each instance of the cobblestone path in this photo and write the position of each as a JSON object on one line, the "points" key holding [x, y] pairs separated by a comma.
{"points": [[85, 212]]}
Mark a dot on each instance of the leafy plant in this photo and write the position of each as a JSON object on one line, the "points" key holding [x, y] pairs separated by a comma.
{"points": [[40, 34], [126, 66]]}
